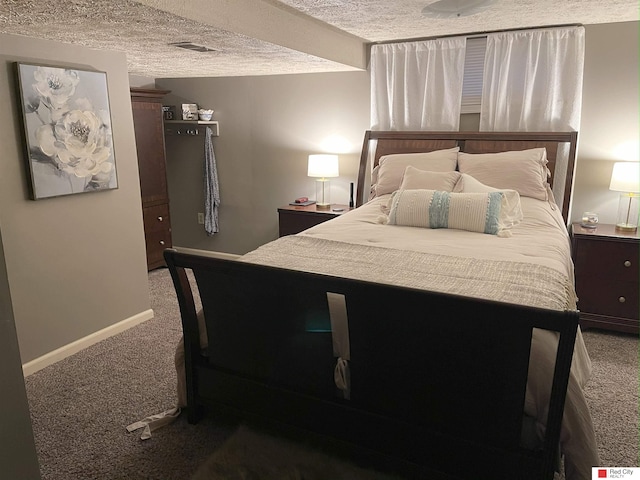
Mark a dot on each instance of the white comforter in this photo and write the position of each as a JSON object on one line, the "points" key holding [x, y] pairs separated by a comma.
{"points": [[541, 239]]}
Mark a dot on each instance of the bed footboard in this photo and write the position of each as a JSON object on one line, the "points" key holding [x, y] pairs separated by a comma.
{"points": [[437, 381]]}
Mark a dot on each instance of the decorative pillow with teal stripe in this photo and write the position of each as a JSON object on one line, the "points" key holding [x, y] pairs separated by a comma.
{"points": [[474, 212]]}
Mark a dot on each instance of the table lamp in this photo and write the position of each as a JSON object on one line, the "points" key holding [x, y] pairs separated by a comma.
{"points": [[626, 178], [323, 167]]}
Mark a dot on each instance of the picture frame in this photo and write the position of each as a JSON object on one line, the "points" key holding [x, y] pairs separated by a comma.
{"points": [[169, 112], [189, 111], [68, 139]]}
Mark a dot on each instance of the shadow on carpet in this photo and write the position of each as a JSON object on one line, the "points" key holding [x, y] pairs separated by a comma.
{"points": [[250, 454]]}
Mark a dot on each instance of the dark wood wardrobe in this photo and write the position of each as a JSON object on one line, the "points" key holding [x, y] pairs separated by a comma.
{"points": [[149, 133]]}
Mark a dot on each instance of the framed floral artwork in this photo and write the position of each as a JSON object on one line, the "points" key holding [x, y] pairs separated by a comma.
{"points": [[67, 130]]}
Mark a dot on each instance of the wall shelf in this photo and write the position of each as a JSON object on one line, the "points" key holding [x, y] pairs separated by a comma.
{"points": [[190, 127]]}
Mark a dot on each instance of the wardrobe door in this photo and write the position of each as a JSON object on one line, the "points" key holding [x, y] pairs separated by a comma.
{"points": [[148, 125]]}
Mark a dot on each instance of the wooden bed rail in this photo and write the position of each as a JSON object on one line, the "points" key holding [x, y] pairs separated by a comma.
{"points": [[437, 381]]}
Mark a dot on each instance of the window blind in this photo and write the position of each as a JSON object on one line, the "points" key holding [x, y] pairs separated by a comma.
{"points": [[473, 73]]}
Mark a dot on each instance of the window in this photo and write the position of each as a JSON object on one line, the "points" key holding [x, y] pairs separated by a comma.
{"points": [[473, 72]]}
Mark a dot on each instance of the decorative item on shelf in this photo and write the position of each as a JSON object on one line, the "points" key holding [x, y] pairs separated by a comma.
{"points": [[589, 220], [626, 178], [323, 167], [169, 112], [205, 115], [189, 111]]}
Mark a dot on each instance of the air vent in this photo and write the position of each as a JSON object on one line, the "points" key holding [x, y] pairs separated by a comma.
{"points": [[192, 46]]}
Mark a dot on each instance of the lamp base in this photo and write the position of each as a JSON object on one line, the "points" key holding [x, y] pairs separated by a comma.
{"points": [[628, 207], [626, 228], [323, 197]]}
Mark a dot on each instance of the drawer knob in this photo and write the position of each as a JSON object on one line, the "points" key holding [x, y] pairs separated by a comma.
{"points": [[627, 263], [622, 299], [161, 242], [160, 219]]}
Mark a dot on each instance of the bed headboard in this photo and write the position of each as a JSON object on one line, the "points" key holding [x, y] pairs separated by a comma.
{"points": [[380, 143]]}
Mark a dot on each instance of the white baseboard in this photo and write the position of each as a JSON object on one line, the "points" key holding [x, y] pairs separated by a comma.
{"points": [[74, 347], [207, 253]]}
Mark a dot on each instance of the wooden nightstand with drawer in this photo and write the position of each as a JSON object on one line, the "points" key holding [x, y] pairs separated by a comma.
{"points": [[606, 269], [293, 219]]}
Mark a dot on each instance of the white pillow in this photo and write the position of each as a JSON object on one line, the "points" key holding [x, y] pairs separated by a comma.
{"points": [[511, 213], [524, 171], [474, 212], [387, 176], [414, 178]]}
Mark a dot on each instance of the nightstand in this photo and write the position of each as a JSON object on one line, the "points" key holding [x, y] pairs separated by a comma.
{"points": [[606, 269], [294, 219]]}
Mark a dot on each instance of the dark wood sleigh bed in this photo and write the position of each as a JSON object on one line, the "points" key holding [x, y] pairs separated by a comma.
{"points": [[436, 381]]}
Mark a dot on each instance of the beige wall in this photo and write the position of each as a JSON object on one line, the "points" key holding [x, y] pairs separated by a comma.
{"points": [[268, 127], [610, 118], [75, 264], [18, 457]]}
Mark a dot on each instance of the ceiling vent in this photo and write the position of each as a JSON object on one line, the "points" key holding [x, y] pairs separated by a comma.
{"points": [[192, 46]]}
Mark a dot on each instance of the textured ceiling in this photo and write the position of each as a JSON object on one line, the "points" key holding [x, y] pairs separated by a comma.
{"points": [[262, 37]]}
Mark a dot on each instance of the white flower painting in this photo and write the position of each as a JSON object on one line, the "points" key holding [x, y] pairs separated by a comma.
{"points": [[68, 130]]}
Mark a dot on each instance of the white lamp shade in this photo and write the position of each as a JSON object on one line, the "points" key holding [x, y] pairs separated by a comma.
{"points": [[323, 166], [625, 177]]}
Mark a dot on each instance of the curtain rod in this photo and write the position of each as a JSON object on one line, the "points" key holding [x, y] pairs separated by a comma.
{"points": [[474, 34]]}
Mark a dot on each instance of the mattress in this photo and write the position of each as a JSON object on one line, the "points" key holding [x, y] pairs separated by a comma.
{"points": [[535, 260]]}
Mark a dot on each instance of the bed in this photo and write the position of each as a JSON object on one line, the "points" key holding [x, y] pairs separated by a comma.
{"points": [[453, 351]]}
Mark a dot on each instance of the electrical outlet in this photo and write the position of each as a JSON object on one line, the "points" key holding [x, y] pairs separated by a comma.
{"points": [[201, 218]]}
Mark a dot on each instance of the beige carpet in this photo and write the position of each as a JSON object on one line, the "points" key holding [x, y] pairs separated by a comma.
{"points": [[250, 454]]}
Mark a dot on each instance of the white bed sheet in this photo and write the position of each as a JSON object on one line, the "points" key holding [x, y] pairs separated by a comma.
{"points": [[541, 239]]}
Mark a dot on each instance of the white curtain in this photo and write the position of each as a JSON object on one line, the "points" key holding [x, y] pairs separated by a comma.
{"points": [[417, 85], [533, 82]]}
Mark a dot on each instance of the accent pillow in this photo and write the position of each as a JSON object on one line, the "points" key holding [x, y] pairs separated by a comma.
{"points": [[511, 213], [415, 178], [524, 171], [474, 212], [387, 176]]}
